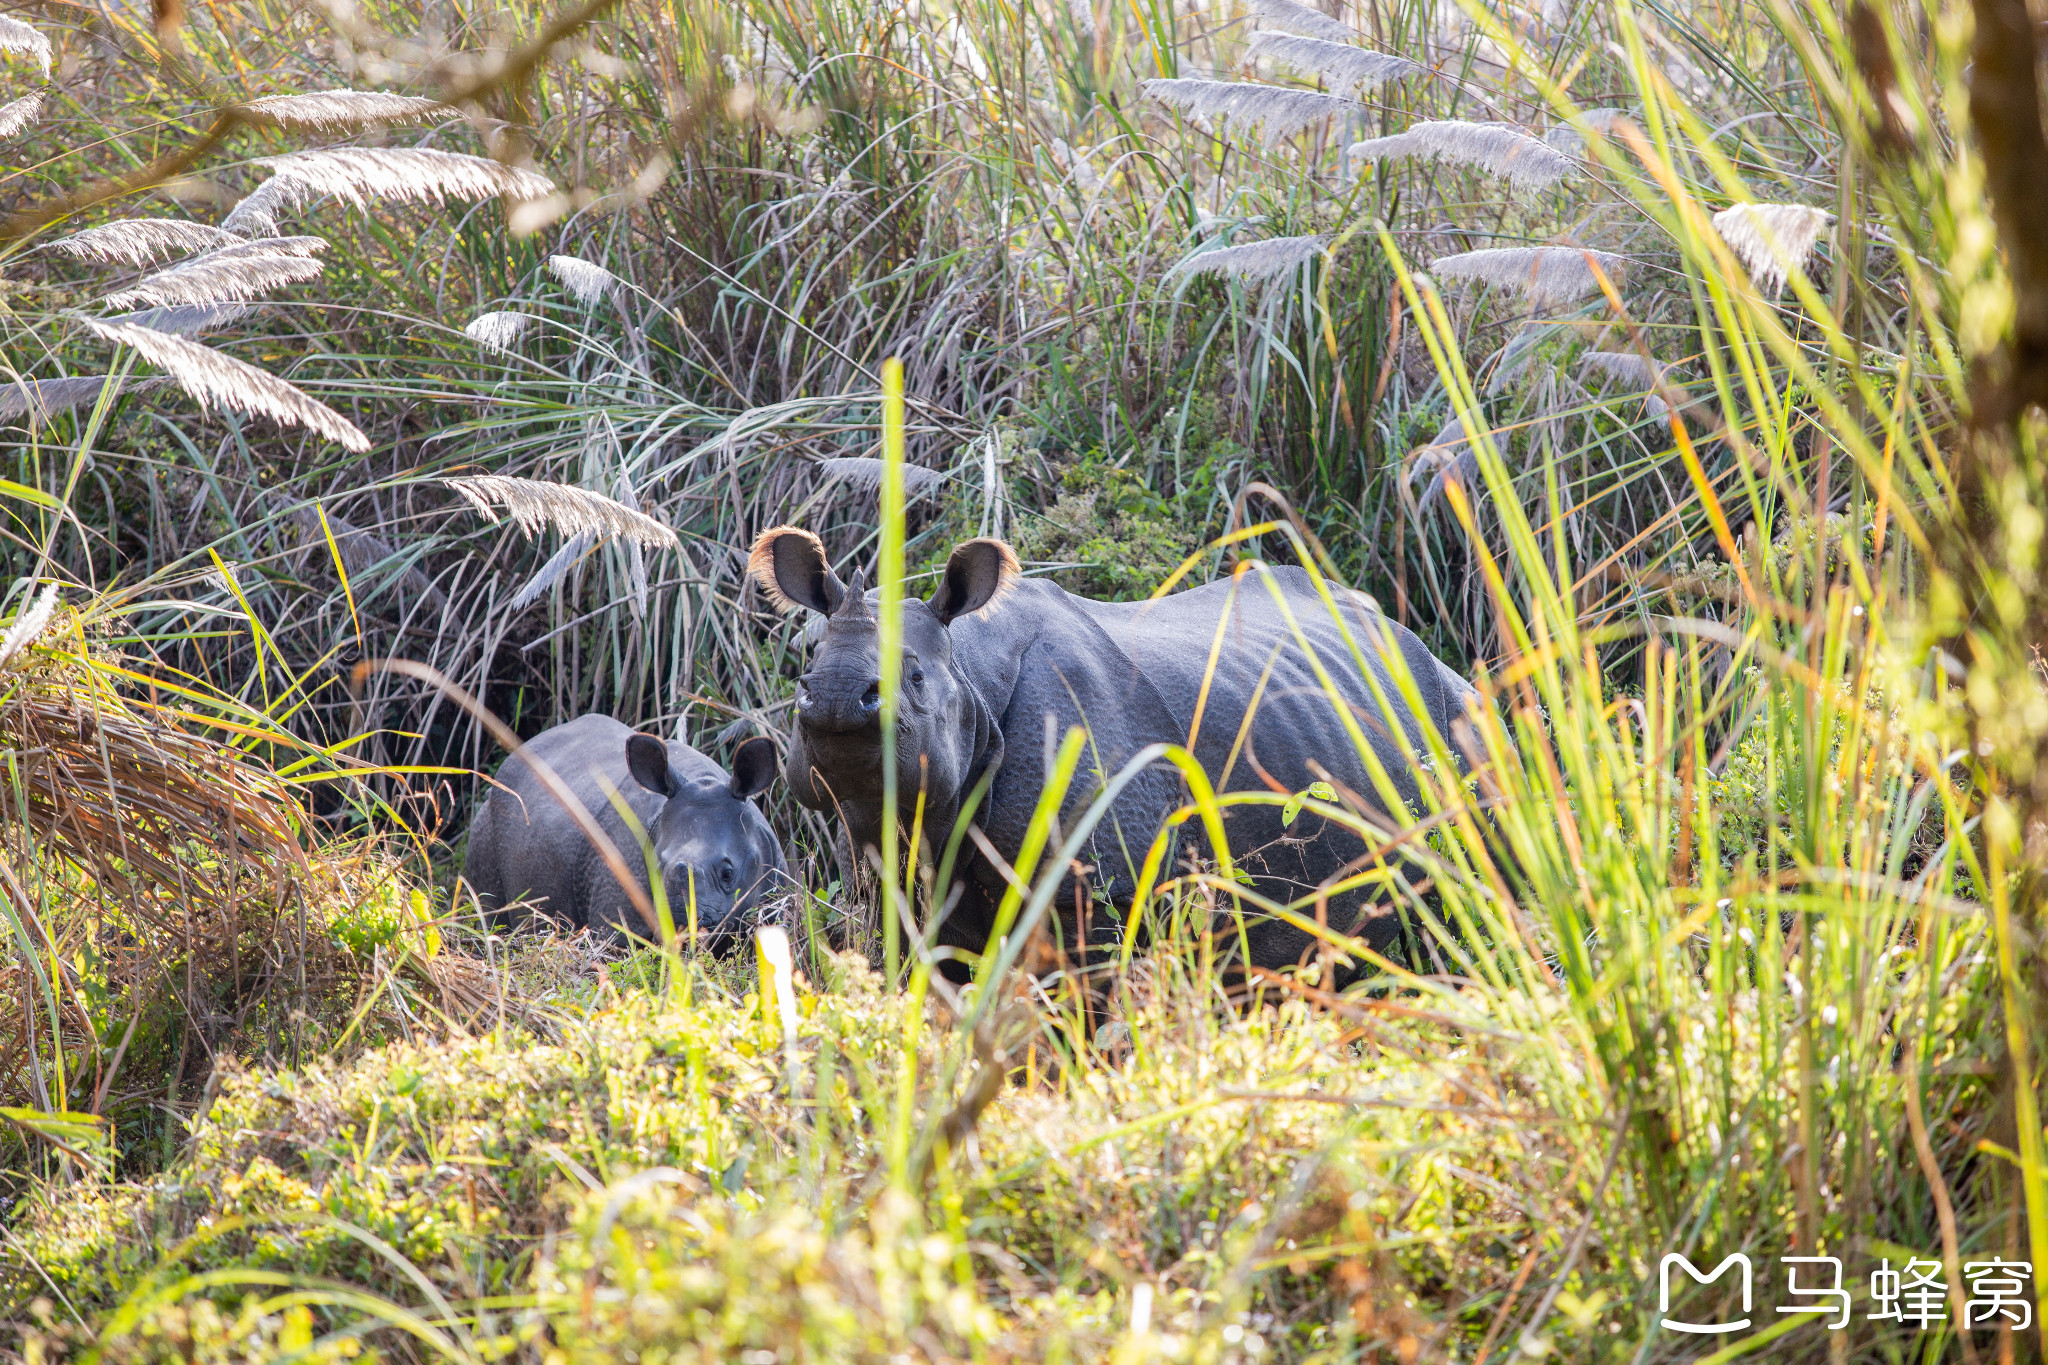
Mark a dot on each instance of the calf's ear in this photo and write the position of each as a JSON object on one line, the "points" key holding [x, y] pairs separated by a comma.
{"points": [[754, 767], [647, 760], [789, 565], [979, 572]]}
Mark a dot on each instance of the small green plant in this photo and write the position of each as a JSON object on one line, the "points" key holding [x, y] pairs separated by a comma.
{"points": [[1108, 535], [374, 922]]}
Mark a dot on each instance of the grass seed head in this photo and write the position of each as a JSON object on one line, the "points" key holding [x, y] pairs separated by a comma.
{"points": [[1277, 109], [185, 319], [1626, 367], [1509, 153], [1306, 20], [143, 241], [1546, 275], [28, 624], [1255, 262], [41, 399], [341, 110], [256, 215], [19, 114], [587, 280], [217, 380], [557, 567], [865, 473], [1346, 68], [497, 331], [25, 40], [229, 274], [536, 503], [1773, 240], [405, 175]]}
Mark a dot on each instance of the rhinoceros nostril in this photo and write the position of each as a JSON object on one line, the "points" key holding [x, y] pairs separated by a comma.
{"points": [[871, 700]]}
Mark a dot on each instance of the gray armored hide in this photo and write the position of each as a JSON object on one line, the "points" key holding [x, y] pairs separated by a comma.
{"points": [[708, 834]]}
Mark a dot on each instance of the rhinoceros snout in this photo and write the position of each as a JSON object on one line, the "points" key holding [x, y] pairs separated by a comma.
{"points": [[838, 704]]}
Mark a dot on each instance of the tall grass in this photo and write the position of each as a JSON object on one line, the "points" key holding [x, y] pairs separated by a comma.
{"points": [[1727, 905]]}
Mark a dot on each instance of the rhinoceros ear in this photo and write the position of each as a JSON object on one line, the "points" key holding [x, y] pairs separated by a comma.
{"points": [[647, 760], [979, 572], [789, 564], [754, 767]]}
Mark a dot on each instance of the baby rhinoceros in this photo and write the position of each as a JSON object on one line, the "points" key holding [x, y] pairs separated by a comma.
{"points": [[710, 840]]}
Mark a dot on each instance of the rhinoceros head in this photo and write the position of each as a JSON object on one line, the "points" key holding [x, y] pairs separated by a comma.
{"points": [[717, 856], [944, 732]]}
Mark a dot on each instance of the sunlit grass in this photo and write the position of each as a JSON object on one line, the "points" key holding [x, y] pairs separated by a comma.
{"points": [[1723, 912]]}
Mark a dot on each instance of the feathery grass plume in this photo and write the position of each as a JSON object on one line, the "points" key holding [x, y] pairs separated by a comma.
{"points": [[559, 563], [1566, 137], [185, 319], [1346, 68], [497, 331], [1294, 17], [1254, 262], [587, 280], [1506, 152], [1638, 373], [217, 380], [142, 241], [1278, 110], [25, 40], [1773, 240], [865, 473], [1546, 275], [230, 274], [29, 623], [256, 215], [1627, 367], [19, 114], [535, 503], [404, 175], [41, 399], [339, 110], [1083, 14]]}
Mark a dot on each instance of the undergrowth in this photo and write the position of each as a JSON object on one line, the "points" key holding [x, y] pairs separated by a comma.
{"points": [[1729, 901]]}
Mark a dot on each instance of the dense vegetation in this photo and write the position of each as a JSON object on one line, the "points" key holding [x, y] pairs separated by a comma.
{"points": [[1675, 373]]}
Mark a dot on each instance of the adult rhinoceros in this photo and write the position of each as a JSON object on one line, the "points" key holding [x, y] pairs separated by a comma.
{"points": [[994, 663]]}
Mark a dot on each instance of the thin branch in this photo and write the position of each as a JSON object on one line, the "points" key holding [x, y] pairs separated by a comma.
{"points": [[33, 219], [523, 60]]}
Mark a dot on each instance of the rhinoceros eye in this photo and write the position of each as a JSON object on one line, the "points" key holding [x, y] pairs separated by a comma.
{"points": [[917, 677]]}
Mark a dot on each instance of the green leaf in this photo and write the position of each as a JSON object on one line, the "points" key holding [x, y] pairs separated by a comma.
{"points": [[83, 1136], [1321, 791], [10, 489]]}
